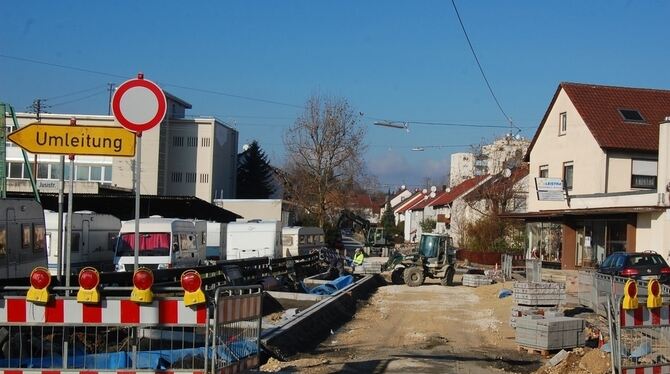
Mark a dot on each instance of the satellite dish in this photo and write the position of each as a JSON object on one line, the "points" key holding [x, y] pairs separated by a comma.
{"points": [[245, 147], [432, 195], [448, 189], [507, 173], [433, 188], [402, 187], [425, 191]]}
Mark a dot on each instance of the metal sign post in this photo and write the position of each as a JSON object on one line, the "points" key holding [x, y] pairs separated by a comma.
{"points": [[138, 105], [68, 229]]}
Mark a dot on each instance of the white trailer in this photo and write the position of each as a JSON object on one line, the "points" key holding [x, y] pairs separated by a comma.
{"points": [[164, 243], [216, 241], [92, 241], [301, 240], [254, 238], [22, 237]]}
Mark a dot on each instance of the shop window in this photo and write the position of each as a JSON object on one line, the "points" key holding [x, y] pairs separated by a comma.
{"points": [[545, 239], [644, 174]]}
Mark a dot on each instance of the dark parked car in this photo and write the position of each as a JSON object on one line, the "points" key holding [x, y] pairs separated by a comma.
{"points": [[637, 265]]}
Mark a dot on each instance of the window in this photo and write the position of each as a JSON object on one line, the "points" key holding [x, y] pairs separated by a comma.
{"points": [[108, 173], [39, 241], [287, 239], [26, 235], [96, 173], [42, 171], [301, 239], [562, 123], [192, 141], [55, 171], [178, 141], [204, 178], [74, 243], [544, 171], [190, 177], [15, 170], [567, 175], [82, 172], [643, 174], [206, 142], [631, 115], [176, 177]]}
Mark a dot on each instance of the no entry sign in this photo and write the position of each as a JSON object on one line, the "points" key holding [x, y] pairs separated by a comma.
{"points": [[139, 104]]}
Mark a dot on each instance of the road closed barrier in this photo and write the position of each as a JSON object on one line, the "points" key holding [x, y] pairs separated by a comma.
{"points": [[119, 334]]}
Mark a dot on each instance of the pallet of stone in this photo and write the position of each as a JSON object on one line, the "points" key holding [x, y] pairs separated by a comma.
{"points": [[476, 280], [369, 268], [539, 293], [519, 311], [543, 352], [550, 333]]}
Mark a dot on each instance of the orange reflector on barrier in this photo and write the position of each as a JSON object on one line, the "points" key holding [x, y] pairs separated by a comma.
{"points": [[654, 298], [143, 279], [40, 279], [89, 279], [191, 282], [630, 295]]}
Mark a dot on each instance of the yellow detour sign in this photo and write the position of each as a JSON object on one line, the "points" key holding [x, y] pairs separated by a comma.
{"points": [[74, 140]]}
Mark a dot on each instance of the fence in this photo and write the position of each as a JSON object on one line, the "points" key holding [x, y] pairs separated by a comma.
{"points": [[117, 334], [639, 337]]}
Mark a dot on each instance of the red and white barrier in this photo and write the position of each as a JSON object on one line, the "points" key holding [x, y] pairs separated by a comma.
{"points": [[648, 370], [643, 316], [49, 371], [171, 311]]}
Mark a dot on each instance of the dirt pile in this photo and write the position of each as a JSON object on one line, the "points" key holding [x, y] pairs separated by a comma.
{"points": [[580, 361], [273, 365]]}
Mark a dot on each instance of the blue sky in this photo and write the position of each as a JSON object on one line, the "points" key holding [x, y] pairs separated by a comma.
{"points": [[394, 60]]}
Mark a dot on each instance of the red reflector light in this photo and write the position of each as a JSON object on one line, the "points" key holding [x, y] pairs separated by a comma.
{"points": [[632, 290], [655, 288], [40, 278], [629, 272], [143, 279], [191, 281], [665, 270], [89, 278]]}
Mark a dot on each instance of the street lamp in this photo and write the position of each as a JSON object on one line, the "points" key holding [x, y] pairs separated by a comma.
{"points": [[418, 149], [393, 124]]}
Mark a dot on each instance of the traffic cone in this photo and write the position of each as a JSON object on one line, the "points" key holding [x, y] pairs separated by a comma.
{"points": [[601, 341]]}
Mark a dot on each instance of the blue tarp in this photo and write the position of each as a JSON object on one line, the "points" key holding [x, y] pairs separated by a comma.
{"points": [[332, 286], [151, 360]]}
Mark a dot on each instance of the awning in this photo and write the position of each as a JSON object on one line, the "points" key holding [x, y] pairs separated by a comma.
{"points": [[582, 212]]}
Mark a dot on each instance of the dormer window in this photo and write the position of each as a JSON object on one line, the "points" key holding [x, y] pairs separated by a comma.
{"points": [[631, 115]]}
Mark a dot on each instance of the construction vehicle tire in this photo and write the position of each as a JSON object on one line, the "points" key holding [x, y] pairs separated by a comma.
{"points": [[448, 279], [413, 276], [397, 276]]}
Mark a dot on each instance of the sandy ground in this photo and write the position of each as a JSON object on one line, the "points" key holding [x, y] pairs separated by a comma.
{"points": [[427, 329], [435, 329]]}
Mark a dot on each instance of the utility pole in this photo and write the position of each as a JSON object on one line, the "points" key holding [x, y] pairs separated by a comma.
{"points": [[37, 108], [109, 102]]}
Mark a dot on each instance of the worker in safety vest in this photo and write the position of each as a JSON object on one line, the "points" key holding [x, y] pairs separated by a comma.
{"points": [[358, 258]]}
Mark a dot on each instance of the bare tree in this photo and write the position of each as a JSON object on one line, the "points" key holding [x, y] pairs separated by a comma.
{"points": [[324, 148]]}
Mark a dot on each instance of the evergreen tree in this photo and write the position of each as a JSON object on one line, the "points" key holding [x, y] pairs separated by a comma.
{"points": [[388, 221], [254, 174]]}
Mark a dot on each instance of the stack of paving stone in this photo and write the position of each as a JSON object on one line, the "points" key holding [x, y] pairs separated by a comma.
{"points": [[546, 334], [476, 280], [369, 267], [536, 298]]}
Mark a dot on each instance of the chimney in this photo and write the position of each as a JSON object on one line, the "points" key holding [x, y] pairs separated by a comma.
{"points": [[444, 187], [663, 156]]}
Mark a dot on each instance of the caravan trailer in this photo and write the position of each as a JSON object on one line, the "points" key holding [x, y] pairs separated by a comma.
{"points": [[22, 237], [93, 239], [216, 241], [254, 238], [164, 243], [298, 240]]}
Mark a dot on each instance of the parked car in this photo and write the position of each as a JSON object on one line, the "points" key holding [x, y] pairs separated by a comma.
{"points": [[637, 265]]}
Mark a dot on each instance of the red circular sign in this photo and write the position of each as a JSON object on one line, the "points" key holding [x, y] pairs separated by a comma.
{"points": [[139, 104]]}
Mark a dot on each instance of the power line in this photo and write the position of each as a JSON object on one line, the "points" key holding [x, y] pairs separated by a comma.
{"points": [[213, 92], [73, 93], [79, 99], [481, 70]]}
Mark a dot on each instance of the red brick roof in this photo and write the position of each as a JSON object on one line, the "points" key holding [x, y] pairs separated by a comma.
{"points": [[426, 202], [599, 108], [458, 190]]}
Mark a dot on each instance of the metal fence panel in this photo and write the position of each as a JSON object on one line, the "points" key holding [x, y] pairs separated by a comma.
{"points": [[237, 328], [534, 270]]}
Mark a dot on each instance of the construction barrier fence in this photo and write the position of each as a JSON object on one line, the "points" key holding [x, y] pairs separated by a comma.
{"points": [[119, 335], [639, 337]]}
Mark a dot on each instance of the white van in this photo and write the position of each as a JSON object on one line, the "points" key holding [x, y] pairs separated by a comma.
{"points": [[216, 241], [299, 240], [93, 239], [164, 243], [254, 238]]}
